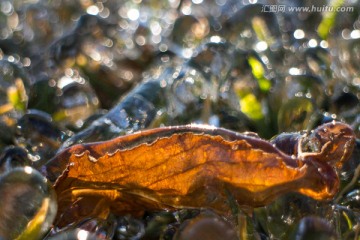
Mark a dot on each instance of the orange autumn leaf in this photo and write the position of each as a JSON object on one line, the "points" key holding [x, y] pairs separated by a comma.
{"points": [[196, 166]]}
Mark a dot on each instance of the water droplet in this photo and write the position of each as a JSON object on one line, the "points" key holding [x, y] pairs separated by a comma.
{"points": [[295, 114], [207, 225], [76, 234], [315, 228], [352, 199], [12, 157], [284, 212], [101, 228], [39, 135], [28, 204], [129, 228]]}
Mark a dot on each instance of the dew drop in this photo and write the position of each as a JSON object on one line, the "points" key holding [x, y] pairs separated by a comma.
{"points": [[28, 204]]}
